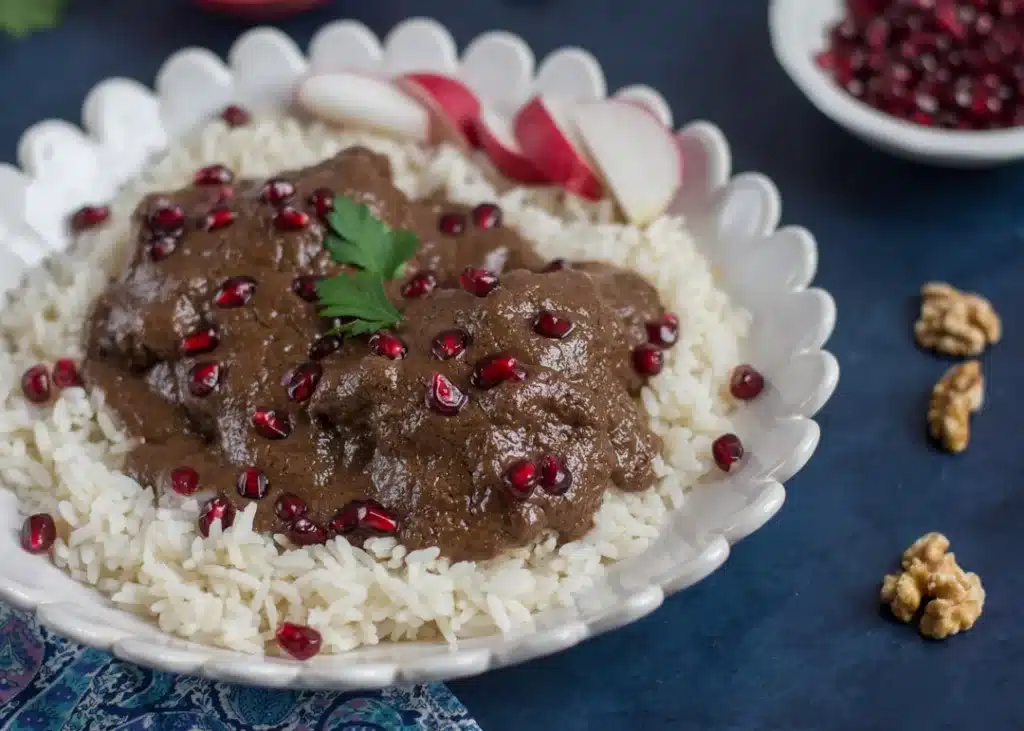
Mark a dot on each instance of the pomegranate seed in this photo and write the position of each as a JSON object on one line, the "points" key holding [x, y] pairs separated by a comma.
{"points": [[235, 116], [169, 219], [305, 287], [387, 345], [218, 218], [322, 200], [420, 285], [452, 224], [184, 481], [88, 217], [271, 423], [368, 515], [324, 346], [648, 360], [486, 215], [299, 641], [199, 342], [65, 374], [162, 247], [213, 175], [960, 55], [235, 292], [304, 532], [203, 379], [727, 451], [497, 369], [449, 344], [35, 384], [302, 381], [445, 397], [288, 507], [555, 478], [521, 479], [277, 191], [745, 383], [555, 265], [480, 282], [216, 508], [663, 332], [291, 219], [346, 520], [38, 533], [252, 484], [551, 325]]}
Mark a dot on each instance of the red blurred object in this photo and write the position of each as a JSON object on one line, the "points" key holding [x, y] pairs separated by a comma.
{"points": [[260, 9]]}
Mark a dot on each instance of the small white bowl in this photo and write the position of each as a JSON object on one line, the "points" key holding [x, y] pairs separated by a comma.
{"points": [[799, 31]]}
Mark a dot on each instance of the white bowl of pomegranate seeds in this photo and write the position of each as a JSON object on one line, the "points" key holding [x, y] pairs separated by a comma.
{"points": [[936, 81], [734, 370]]}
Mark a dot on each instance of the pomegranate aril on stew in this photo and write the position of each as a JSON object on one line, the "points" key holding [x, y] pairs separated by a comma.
{"points": [[521, 479], [218, 508], [184, 480], [235, 292], [445, 397], [252, 484], [288, 507]]}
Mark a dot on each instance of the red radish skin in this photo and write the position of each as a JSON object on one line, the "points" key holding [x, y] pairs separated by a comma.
{"points": [[494, 136], [366, 102], [544, 130], [457, 102], [442, 127], [260, 9], [643, 176]]}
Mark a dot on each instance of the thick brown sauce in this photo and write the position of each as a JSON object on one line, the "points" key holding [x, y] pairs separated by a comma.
{"points": [[367, 432]]}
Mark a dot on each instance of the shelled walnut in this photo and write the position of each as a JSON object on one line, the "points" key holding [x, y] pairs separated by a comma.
{"points": [[955, 597], [955, 322], [957, 395]]}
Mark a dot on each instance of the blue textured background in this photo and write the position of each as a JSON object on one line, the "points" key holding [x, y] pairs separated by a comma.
{"points": [[788, 635]]}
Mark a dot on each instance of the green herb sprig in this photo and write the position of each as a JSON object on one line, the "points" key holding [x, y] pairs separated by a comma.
{"points": [[21, 17], [356, 237]]}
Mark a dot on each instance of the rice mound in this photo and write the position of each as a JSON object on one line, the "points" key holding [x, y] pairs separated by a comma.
{"points": [[233, 588]]}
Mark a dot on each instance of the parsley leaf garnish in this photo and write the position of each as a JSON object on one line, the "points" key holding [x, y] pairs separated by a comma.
{"points": [[362, 239], [359, 238], [360, 295], [20, 17]]}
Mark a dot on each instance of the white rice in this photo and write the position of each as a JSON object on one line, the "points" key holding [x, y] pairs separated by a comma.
{"points": [[233, 588]]}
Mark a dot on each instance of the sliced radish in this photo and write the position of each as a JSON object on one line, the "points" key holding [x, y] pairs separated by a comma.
{"points": [[494, 134], [637, 155], [547, 136], [447, 107], [365, 101], [459, 104]]}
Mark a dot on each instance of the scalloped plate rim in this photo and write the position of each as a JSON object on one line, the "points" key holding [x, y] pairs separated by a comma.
{"points": [[273, 672]]}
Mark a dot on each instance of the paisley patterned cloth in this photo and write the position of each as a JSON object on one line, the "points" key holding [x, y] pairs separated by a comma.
{"points": [[50, 684]]}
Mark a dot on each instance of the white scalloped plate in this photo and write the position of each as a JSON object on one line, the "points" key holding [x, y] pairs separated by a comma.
{"points": [[767, 270]]}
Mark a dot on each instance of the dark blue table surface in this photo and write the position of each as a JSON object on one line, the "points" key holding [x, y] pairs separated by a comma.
{"points": [[788, 635]]}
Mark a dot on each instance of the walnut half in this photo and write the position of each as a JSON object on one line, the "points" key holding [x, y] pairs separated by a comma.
{"points": [[955, 322], [955, 597], [957, 395]]}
